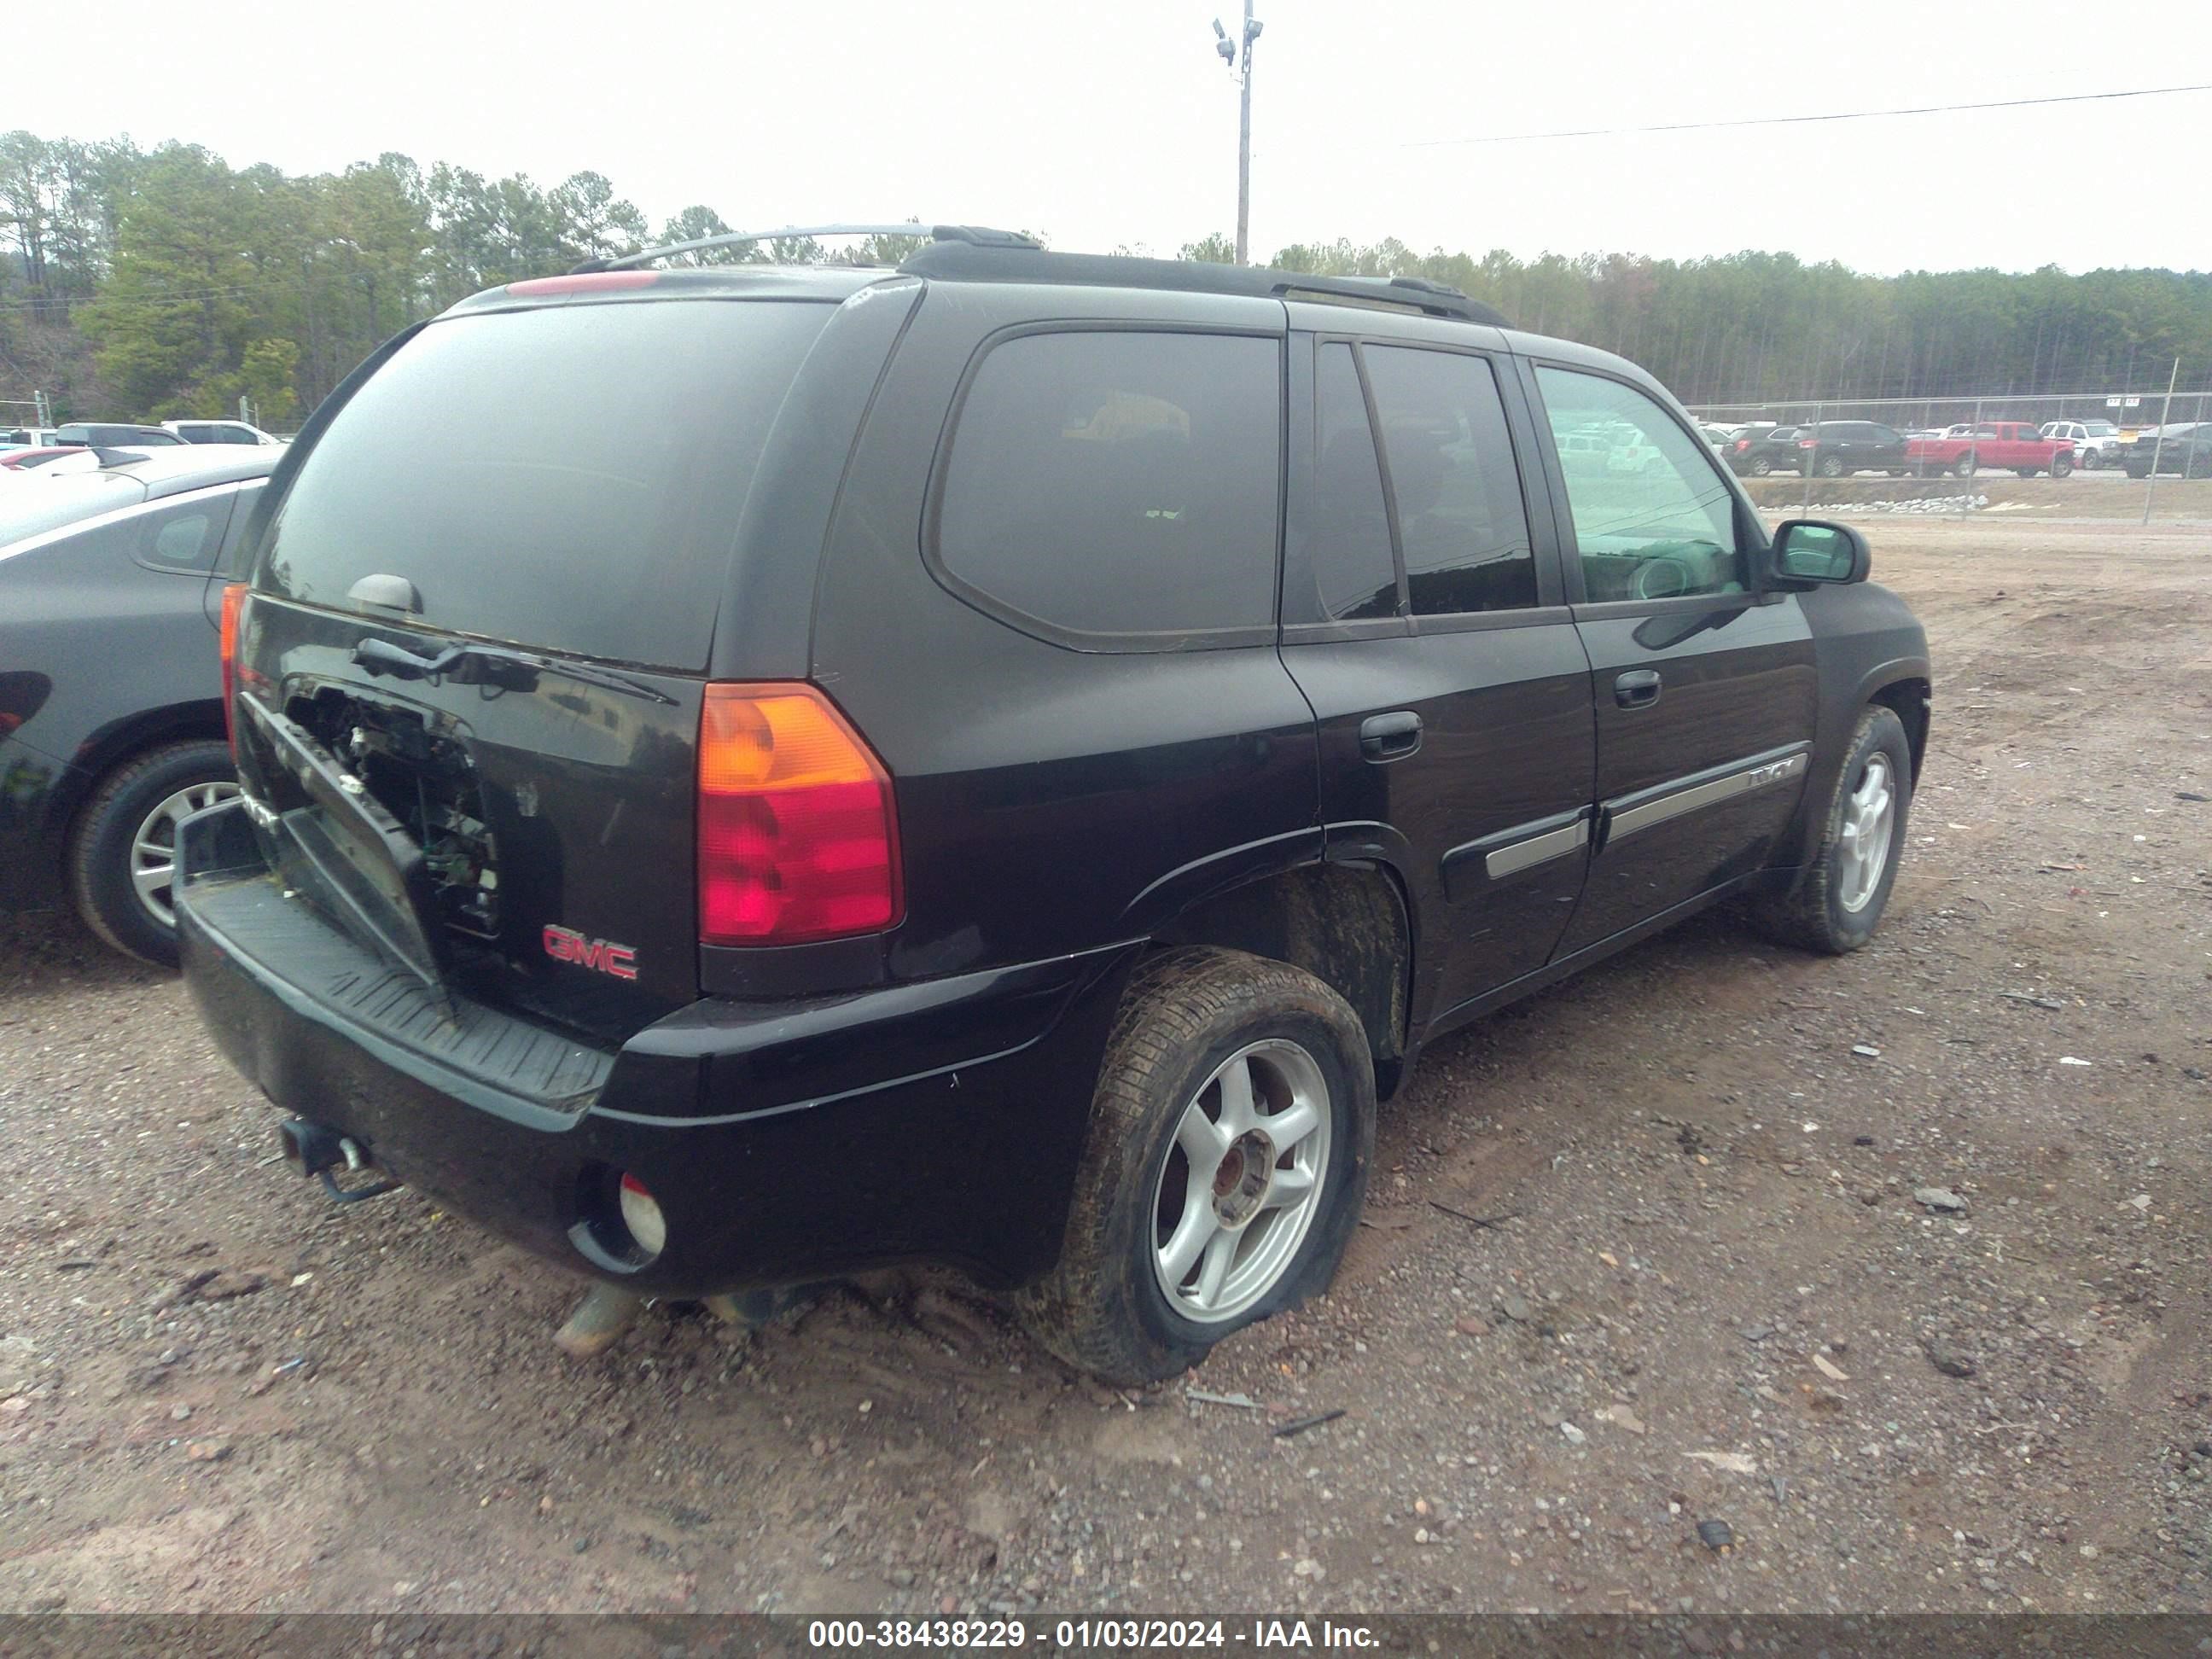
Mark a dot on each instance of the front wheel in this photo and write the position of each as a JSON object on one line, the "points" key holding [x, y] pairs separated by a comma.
{"points": [[122, 852], [1963, 467], [1224, 1168], [1838, 901], [2060, 466], [1832, 467], [1761, 467]]}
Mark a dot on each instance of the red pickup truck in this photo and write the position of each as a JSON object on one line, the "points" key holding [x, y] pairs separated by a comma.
{"points": [[2015, 444]]}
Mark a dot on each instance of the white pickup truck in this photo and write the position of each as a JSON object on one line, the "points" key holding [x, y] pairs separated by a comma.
{"points": [[2096, 443]]}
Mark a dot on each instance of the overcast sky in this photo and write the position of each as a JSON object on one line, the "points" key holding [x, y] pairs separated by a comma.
{"points": [[1110, 123]]}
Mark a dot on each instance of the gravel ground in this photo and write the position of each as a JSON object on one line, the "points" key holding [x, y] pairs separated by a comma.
{"points": [[1658, 1253]]}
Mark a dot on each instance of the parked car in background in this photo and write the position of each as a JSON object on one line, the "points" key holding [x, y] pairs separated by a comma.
{"points": [[26, 437], [25, 460], [2017, 445], [1834, 449], [220, 432], [115, 434], [664, 862], [1758, 450], [111, 681], [2184, 447], [2096, 443]]}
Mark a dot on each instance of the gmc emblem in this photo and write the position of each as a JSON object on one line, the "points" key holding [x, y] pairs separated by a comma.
{"points": [[600, 955]]}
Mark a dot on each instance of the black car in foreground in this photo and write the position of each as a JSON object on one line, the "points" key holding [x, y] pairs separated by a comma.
{"points": [[2186, 449], [110, 693], [1007, 774]]}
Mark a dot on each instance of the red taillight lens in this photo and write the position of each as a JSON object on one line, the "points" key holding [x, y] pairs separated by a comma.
{"points": [[1805, 443], [233, 602], [1743, 444], [798, 835]]}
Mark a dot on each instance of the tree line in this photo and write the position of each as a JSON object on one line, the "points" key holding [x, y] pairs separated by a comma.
{"points": [[163, 282]]}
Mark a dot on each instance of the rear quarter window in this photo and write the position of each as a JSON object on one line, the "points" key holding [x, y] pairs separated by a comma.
{"points": [[1117, 488], [569, 478]]}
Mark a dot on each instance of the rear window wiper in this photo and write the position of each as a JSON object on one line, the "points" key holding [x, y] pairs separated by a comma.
{"points": [[382, 656]]}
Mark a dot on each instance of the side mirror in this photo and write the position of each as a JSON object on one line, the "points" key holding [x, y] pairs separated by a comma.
{"points": [[1811, 550]]}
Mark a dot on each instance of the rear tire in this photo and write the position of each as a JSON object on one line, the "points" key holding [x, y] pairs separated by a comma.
{"points": [[1128, 1300], [1838, 901], [1963, 467], [1832, 467], [121, 852], [2027, 471], [1761, 467]]}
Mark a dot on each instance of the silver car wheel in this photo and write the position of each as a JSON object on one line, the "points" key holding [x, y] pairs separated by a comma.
{"points": [[1862, 841], [154, 847], [1243, 1181]]}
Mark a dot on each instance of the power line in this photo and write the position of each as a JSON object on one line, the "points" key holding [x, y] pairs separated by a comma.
{"points": [[1796, 120]]}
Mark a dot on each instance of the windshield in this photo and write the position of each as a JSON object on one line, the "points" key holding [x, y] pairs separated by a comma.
{"points": [[568, 477]]}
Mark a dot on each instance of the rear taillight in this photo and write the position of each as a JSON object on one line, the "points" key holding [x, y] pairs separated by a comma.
{"points": [[233, 602], [1805, 443], [1743, 444], [798, 835]]}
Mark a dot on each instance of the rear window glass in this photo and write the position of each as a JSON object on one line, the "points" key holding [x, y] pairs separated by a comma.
{"points": [[569, 478], [1117, 483]]}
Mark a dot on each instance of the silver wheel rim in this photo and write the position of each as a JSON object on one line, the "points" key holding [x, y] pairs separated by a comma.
{"points": [[1863, 843], [154, 848], [1243, 1183]]}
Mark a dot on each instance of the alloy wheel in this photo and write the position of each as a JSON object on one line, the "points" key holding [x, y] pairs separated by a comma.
{"points": [[154, 847], [1870, 819], [1243, 1181]]}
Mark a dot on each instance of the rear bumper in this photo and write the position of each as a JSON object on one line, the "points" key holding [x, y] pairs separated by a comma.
{"points": [[783, 1141]]}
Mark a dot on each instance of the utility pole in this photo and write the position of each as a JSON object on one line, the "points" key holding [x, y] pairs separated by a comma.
{"points": [[1238, 55]]}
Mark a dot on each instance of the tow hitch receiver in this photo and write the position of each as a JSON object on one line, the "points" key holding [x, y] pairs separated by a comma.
{"points": [[315, 1149]]}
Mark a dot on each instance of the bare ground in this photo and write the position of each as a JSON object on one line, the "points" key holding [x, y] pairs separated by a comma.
{"points": [[1696, 1234]]}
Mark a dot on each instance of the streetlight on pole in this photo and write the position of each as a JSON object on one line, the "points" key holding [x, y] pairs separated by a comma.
{"points": [[1239, 64]]}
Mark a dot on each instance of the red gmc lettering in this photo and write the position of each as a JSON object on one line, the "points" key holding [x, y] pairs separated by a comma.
{"points": [[600, 955]]}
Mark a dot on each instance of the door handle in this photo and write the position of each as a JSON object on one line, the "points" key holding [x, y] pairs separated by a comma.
{"points": [[1391, 737], [1637, 688]]}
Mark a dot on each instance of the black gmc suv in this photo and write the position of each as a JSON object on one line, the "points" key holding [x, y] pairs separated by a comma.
{"points": [[1006, 771]]}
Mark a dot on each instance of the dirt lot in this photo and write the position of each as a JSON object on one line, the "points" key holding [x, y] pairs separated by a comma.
{"points": [[1700, 1290]]}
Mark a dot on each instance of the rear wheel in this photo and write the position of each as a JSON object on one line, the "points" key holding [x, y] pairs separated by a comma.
{"points": [[1223, 1169], [1761, 466], [1832, 467], [1963, 466], [122, 852], [2027, 471], [1839, 900]]}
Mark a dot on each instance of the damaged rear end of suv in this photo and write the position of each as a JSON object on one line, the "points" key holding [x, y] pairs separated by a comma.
{"points": [[554, 888]]}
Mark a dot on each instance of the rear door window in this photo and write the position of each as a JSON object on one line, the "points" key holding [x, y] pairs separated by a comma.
{"points": [[1349, 549], [1117, 487], [1460, 519], [481, 464]]}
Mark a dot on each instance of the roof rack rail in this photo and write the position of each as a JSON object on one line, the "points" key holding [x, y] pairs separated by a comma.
{"points": [[1019, 262], [971, 235]]}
